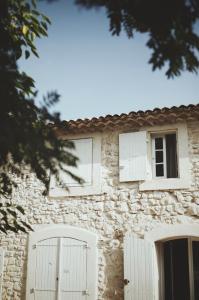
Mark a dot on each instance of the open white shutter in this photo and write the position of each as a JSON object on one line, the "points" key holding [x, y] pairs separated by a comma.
{"points": [[84, 151], [1, 270], [138, 269], [133, 156]]}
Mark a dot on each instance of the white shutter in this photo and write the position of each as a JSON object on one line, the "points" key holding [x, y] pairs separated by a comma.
{"points": [[62, 264], [46, 270], [133, 156], [139, 269], [73, 270], [1, 269], [84, 151]]}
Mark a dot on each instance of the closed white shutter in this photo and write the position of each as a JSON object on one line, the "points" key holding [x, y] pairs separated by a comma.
{"points": [[73, 269], [46, 270], [62, 264], [139, 269], [133, 156], [1, 269], [84, 151]]}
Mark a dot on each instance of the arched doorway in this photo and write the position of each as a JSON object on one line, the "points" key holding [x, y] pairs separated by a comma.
{"points": [[147, 271], [177, 259], [62, 264]]}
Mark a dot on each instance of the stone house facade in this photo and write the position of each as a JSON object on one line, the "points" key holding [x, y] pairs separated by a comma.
{"points": [[141, 173]]}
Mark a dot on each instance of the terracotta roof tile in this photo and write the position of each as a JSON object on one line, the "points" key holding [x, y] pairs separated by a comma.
{"points": [[133, 119]]}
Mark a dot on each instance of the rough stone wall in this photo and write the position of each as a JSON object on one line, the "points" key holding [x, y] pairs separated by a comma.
{"points": [[119, 209]]}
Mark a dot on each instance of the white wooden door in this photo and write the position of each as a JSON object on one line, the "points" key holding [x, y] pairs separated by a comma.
{"points": [[46, 269], [139, 276], [59, 267], [73, 270]]}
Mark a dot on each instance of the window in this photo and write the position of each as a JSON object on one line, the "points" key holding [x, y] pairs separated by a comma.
{"points": [[88, 150], [157, 157], [179, 266], [84, 151], [164, 156]]}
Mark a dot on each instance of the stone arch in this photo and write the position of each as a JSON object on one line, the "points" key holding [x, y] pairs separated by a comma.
{"points": [[164, 232]]}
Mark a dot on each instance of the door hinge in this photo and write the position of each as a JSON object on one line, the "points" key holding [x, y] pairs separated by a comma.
{"points": [[32, 291], [85, 292]]}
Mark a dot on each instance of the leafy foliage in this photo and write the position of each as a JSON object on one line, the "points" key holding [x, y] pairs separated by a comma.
{"points": [[26, 139], [169, 24]]}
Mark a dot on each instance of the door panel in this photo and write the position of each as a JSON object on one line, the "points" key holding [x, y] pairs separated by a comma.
{"points": [[176, 270], [138, 269], [195, 245], [73, 268], [46, 269], [62, 264], [73, 296], [42, 295]]}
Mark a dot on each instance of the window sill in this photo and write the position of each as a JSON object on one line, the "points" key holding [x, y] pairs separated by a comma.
{"points": [[74, 191], [165, 184]]}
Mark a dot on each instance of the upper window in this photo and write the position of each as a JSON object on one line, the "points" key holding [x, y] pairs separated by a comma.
{"points": [[84, 151], [164, 156], [88, 151], [156, 157]]}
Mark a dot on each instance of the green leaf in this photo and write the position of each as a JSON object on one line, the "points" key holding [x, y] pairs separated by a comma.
{"points": [[27, 54], [20, 209], [27, 225], [13, 213]]}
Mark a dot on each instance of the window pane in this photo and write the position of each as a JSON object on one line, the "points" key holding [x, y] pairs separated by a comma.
{"points": [[195, 245], [176, 270], [159, 170], [171, 154], [159, 156], [159, 143]]}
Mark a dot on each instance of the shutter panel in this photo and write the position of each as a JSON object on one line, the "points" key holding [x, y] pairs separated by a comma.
{"points": [[133, 156], [1, 269], [139, 269], [84, 151], [46, 269], [73, 269]]}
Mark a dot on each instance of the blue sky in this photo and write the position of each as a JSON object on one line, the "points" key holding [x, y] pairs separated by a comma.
{"points": [[98, 74]]}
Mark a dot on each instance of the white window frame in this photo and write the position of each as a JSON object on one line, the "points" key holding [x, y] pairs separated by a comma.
{"points": [[153, 162], [183, 181], [84, 189], [77, 184]]}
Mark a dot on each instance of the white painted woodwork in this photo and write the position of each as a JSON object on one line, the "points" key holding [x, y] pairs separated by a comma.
{"points": [[139, 268], [73, 269], [133, 156], [62, 264], [92, 183], [84, 151], [184, 165], [46, 269], [154, 163], [1, 269]]}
